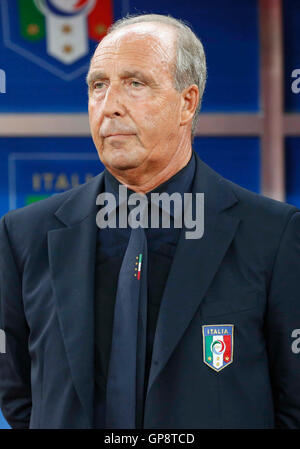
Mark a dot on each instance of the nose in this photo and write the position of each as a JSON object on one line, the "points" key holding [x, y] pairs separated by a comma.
{"points": [[113, 105]]}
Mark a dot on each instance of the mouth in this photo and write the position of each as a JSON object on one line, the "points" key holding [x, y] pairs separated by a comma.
{"points": [[118, 135]]}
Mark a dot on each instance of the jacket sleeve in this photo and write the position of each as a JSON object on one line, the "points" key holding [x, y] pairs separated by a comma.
{"points": [[15, 389], [283, 318]]}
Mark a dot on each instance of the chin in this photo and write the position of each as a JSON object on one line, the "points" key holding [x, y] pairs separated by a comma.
{"points": [[123, 164], [121, 159]]}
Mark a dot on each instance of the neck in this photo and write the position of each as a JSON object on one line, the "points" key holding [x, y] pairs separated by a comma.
{"points": [[143, 182]]}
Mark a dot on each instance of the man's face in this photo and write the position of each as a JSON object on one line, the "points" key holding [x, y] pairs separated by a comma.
{"points": [[134, 109]]}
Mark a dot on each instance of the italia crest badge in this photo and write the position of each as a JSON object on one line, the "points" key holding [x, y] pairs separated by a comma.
{"points": [[58, 35], [218, 345]]}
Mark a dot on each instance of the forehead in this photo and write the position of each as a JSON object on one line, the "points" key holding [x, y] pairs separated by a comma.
{"points": [[139, 44]]}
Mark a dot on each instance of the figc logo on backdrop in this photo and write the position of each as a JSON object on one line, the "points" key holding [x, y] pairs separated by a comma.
{"points": [[58, 35]]}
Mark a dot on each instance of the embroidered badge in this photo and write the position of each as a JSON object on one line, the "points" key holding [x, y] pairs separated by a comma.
{"points": [[218, 345]]}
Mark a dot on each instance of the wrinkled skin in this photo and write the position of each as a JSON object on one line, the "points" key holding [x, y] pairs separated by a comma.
{"points": [[140, 124]]}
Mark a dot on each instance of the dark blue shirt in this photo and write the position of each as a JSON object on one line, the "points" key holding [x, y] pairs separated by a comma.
{"points": [[111, 247]]}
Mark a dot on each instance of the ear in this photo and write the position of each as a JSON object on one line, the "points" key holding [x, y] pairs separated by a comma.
{"points": [[189, 102]]}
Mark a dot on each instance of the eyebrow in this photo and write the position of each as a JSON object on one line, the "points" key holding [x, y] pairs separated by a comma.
{"points": [[99, 74], [94, 75]]}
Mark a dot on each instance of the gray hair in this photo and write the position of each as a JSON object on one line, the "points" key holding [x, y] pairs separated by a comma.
{"points": [[190, 64]]}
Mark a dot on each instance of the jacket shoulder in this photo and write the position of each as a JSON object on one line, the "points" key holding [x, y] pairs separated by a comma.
{"points": [[254, 203], [263, 220], [31, 223], [43, 210], [36, 214], [26, 228]]}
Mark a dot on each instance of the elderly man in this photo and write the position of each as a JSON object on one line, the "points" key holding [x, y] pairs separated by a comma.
{"points": [[141, 327]]}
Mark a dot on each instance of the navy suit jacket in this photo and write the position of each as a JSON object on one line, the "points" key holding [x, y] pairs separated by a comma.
{"points": [[244, 271]]}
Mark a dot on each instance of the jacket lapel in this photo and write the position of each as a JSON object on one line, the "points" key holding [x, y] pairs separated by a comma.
{"points": [[194, 266], [72, 262]]}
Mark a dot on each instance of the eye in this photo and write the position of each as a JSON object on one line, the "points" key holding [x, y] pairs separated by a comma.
{"points": [[136, 84], [98, 85]]}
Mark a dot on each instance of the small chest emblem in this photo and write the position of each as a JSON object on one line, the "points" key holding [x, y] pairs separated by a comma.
{"points": [[218, 345]]}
